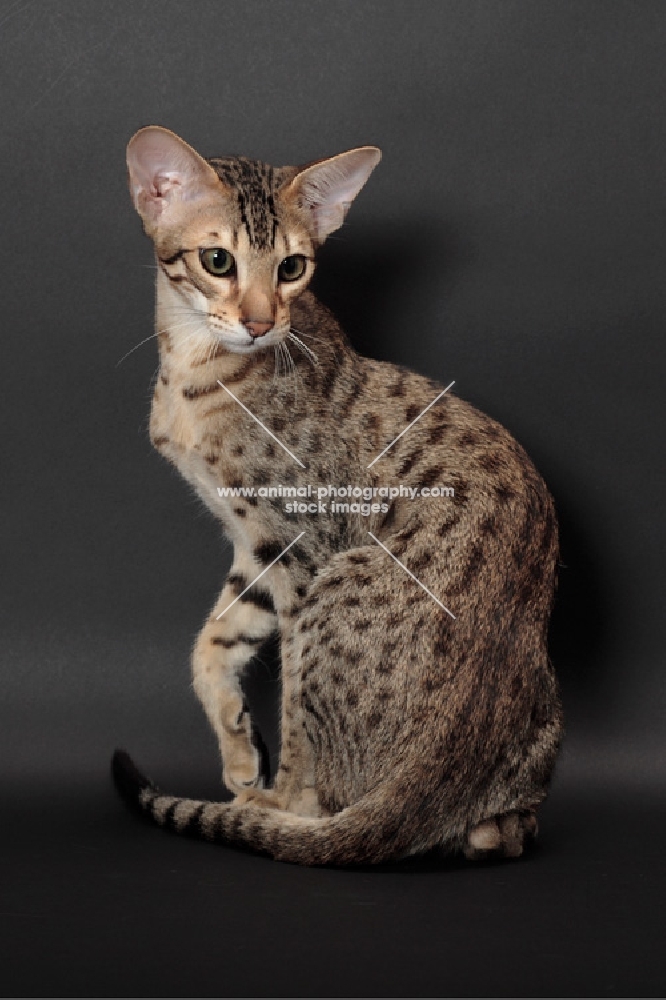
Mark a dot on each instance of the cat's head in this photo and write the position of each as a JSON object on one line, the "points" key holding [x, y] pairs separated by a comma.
{"points": [[236, 238]]}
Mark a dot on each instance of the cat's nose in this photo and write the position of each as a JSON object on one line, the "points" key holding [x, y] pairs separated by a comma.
{"points": [[256, 328]]}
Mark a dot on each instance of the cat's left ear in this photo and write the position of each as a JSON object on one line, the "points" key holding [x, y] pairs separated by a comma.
{"points": [[327, 188]]}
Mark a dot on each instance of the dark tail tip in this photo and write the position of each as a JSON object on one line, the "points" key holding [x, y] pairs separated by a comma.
{"points": [[128, 779]]}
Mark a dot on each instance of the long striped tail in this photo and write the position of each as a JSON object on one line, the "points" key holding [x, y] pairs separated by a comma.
{"points": [[384, 825]]}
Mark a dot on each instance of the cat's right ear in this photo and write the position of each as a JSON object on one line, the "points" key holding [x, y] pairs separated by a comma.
{"points": [[164, 171]]}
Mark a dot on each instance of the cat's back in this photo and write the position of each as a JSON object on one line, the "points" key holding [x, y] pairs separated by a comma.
{"points": [[463, 469]]}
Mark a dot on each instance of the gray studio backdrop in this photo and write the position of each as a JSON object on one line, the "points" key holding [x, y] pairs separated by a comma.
{"points": [[513, 239]]}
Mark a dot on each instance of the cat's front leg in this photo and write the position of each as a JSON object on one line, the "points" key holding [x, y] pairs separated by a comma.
{"points": [[294, 789], [223, 648]]}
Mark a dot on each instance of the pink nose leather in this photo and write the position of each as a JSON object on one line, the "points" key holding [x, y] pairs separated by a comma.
{"points": [[256, 329]]}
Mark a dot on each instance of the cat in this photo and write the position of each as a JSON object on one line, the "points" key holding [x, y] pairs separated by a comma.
{"points": [[419, 707]]}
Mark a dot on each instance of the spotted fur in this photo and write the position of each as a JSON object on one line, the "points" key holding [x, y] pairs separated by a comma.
{"points": [[402, 728]]}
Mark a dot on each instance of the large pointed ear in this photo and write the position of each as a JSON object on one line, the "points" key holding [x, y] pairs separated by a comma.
{"points": [[163, 171], [327, 188]]}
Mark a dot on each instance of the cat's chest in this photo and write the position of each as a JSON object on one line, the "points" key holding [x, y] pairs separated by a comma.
{"points": [[185, 426]]}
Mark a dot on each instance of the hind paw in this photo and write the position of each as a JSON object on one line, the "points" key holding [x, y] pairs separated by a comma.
{"points": [[504, 835]]}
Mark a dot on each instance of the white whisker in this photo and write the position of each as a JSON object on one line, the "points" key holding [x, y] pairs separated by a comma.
{"points": [[282, 371], [295, 374], [135, 348], [310, 354], [308, 335]]}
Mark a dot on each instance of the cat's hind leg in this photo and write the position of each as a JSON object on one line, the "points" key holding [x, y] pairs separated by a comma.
{"points": [[222, 650], [505, 835]]}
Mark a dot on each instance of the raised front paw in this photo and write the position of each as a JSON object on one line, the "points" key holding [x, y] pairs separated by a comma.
{"points": [[245, 763]]}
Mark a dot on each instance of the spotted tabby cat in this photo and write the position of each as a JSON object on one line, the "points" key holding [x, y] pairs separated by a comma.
{"points": [[402, 727]]}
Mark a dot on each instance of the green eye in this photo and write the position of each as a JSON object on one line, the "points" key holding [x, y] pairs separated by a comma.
{"points": [[218, 262], [292, 268]]}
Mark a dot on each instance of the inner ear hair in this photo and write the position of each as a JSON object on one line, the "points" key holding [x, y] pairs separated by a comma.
{"points": [[326, 188], [163, 170]]}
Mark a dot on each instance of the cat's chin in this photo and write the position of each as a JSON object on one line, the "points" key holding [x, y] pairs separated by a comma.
{"points": [[253, 347], [222, 343], [239, 348]]}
